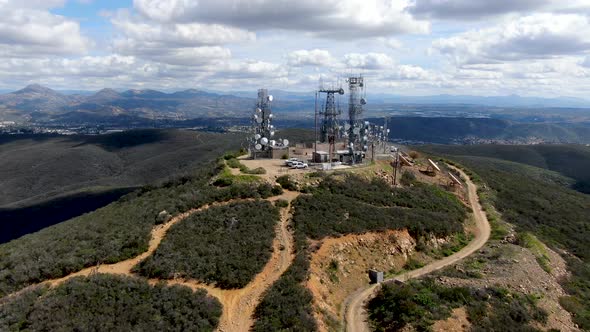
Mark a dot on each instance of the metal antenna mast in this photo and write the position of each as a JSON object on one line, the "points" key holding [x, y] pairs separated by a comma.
{"points": [[357, 131], [329, 129], [262, 142]]}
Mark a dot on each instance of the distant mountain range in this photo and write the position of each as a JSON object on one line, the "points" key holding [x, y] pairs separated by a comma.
{"points": [[41, 104]]}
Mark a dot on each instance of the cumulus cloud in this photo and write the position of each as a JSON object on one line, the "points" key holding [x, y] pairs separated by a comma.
{"points": [[189, 44], [178, 35], [533, 37], [370, 61], [472, 9], [315, 57], [409, 72], [26, 31], [331, 18]]}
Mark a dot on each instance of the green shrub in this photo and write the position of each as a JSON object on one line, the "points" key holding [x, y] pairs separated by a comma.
{"points": [[225, 245], [110, 303], [408, 178], [421, 302], [286, 182], [337, 207], [281, 203], [256, 171], [119, 231], [233, 163]]}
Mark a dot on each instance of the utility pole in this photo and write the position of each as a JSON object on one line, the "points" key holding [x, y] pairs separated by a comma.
{"points": [[395, 163], [315, 144]]}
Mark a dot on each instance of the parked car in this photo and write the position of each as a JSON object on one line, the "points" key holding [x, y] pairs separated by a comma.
{"points": [[301, 165], [291, 161]]}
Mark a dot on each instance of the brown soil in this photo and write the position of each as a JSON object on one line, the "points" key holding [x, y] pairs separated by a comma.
{"points": [[458, 322], [239, 304], [517, 269], [355, 319], [341, 264]]}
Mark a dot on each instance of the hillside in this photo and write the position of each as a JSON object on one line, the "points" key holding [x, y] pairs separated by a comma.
{"points": [[572, 161], [541, 202], [191, 233], [288, 258], [45, 180]]}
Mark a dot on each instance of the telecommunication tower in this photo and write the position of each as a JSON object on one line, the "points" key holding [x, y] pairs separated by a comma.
{"points": [[330, 128], [262, 141], [356, 128]]}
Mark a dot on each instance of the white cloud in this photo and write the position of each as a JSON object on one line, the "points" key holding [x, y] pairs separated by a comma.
{"points": [[391, 43], [178, 35], [315, 57], [369, 61], [27, 31], [189, 44], [340, 19], [533, 37], [409, 72], [472, 9]]}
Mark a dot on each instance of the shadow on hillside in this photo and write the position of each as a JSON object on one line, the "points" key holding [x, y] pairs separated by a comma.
{"points": [[126, 139], [21, 221]]}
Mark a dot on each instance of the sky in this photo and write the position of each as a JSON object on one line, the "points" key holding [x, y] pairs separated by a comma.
{"points": [[402, 47]]}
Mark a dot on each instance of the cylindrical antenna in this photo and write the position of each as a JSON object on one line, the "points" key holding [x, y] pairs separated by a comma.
{"points": [[316, 123]]}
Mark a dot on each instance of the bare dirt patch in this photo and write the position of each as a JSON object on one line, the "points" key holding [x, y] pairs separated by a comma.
{"points": [[458, 322], [340, 266], [516, 268]]}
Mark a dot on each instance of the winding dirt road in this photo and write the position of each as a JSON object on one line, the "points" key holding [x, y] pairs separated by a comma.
{"points": [[355, 315], [238, 304]]}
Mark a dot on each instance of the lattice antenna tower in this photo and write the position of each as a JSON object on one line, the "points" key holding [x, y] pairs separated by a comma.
{"points": [[356, 127], [329, 129], [263, 129]]}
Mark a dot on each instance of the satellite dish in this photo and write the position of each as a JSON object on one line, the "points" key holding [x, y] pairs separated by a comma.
{"points": [[356, 131], [258, 110], [363, 101], [346, 126], [257, 136], [258, 146], [365, 148], [270, 98], [286, 142], [388, 131], [272, 126], [264, 141], [365, 138], [341, 91], [273, 142], [351, 145], [272, 133], [270, 116], [258, 120], [255, 116]]}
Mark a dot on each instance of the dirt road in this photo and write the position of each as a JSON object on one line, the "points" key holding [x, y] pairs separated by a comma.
{"points": [[355, 316], [238, 304]]}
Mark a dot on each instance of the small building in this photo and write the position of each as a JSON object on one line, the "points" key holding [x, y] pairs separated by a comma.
{"points": [[274, 153], [280, 153], [320, 157], [375, 276]]}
